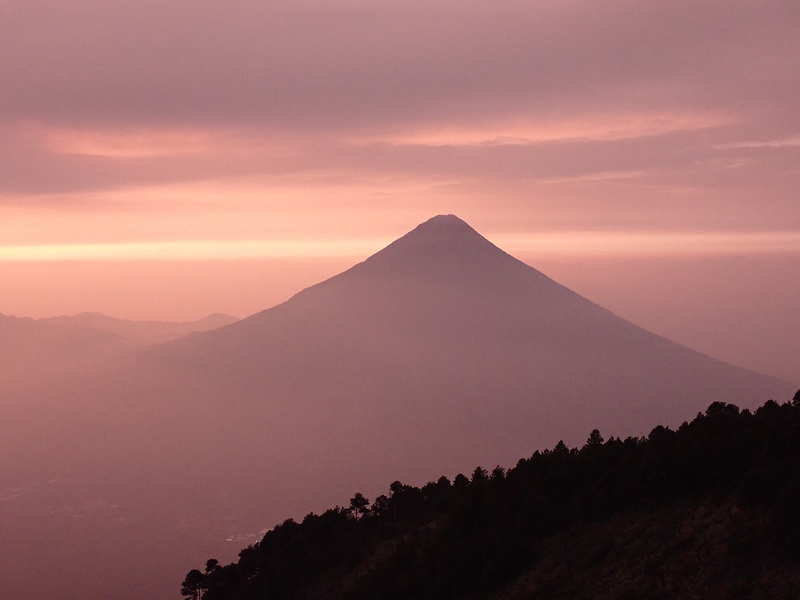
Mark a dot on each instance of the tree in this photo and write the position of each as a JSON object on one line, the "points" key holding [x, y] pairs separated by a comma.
{"points": [[498, 473], [380, 506], [212, 565], [595, 439], [561, 448], [359, 506], [796, 399], [479, 475], [717, 409], [193, 585]]}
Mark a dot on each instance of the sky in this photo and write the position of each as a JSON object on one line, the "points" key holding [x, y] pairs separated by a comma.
{"points": [[166, 160]]}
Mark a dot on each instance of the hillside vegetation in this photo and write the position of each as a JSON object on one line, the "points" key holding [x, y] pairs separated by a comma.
{"points": [[711, 510]]}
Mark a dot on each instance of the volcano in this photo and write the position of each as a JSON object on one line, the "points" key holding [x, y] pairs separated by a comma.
{"points": [[445, 340], [437, 354]]}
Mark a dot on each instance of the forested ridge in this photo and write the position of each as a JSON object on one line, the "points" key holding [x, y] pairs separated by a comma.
{"points": [[710, 510]]}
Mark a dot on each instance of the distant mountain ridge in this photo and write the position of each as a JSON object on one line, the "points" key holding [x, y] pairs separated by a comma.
{"points": [[143, 332], [37, 350], [94, 331]]}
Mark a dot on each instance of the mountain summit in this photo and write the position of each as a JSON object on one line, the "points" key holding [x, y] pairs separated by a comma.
{"points": [[440, 236], [440, 226], [440, 247]]}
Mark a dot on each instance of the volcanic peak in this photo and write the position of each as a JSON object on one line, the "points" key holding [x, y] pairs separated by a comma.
{"points": [[442, 229], [444, 224], [439, 240]]}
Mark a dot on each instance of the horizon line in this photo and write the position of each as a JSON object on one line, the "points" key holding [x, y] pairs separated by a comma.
{"points": [[569, 243]]}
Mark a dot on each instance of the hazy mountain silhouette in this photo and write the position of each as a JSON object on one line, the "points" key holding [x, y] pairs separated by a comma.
{"points": [[438, 353], [58, 343], [143, 332], [32, 348], [453, 336]]}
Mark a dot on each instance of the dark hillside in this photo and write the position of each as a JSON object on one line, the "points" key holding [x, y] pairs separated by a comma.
{"points": [[707, 511]]}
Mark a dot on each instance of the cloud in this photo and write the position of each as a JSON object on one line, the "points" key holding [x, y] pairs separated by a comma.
{"points": [[618, 113], [195, 250], [332, 65]]}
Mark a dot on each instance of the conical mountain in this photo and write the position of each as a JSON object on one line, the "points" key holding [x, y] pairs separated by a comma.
{"points": [[439, 353], [446, 322]]}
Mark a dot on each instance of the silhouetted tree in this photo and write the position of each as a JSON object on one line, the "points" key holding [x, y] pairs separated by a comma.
{"points": [[479, 475], [561, 448], [380, 506], [595, 439], [193, 585], [498, 473], [212, 565], [718, 409], [359, 506]]}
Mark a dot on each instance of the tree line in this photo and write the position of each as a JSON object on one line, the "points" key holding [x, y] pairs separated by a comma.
{"points": [[469, 537]]}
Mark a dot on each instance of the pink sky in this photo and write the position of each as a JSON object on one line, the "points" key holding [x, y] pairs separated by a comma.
{"points": [[170, 159]]}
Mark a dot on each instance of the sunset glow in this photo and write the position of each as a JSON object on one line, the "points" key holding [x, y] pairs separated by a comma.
{"points": [[150, 133], [545, 244]]}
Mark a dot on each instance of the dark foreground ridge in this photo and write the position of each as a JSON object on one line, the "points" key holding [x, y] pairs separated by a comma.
{"points": [[707, 511]]}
